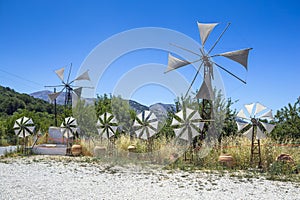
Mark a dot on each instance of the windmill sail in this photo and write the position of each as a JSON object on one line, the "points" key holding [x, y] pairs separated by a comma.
{"points": [[248, 133], [268, 127], [84, 76], [267, 115], [241, 114], [205, 30], [260, 134], [174, 63], [240, 56], [60, 73], [259, 108], [205, 91], [53, 96], [249, 108], [241, 125]]}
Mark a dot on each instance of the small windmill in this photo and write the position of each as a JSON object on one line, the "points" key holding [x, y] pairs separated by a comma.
{"points": [[145, 126], [68, 87], [254, 128], [69, 129], [205, 58], [107, 126], [24, 127], [187, 124]]}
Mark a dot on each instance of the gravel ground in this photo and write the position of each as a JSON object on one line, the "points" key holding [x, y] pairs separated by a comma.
{"points": [[50, 177]]}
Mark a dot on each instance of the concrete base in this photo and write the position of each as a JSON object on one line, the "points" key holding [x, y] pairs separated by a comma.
{"points": [[50, 149]]}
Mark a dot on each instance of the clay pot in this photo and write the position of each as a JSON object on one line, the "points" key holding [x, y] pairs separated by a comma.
{"points": [[226, 160], [99, 151], [131, 148], [285, 158], [76, 149]]}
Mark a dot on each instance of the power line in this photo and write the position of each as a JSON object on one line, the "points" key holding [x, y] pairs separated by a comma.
{"points": [[19, 77]]}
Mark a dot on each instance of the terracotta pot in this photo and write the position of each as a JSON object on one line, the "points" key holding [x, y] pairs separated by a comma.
{"points": [[226, 160], [99, 151], [76, 149], [131, 148], [285, 158]]}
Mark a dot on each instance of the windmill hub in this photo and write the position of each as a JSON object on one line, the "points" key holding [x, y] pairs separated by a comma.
{"points": [[206, 61], [254, 121]]}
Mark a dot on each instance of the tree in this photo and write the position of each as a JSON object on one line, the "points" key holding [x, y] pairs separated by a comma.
{"points": [[287, 121]]}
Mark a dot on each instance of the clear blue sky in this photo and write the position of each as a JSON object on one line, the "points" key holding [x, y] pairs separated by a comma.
{"points": [[38, 37]]}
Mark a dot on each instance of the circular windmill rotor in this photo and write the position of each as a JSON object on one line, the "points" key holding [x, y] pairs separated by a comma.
{"points": [[23, 127], [71, 90], [145, 125], [69, 127], [187, 124], [248, 121], [205, 91], [106, 125]]}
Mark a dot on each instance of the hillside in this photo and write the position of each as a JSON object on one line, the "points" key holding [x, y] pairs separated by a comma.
{"points": [[11, 101]]}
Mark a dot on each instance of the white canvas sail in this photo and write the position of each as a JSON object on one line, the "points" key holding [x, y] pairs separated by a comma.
{"points": [[205, 30], [60, 73], [174, 63], [240, 56]]}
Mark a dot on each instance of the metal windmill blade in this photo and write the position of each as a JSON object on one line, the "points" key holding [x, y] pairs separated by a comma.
{"points": [[187, 124], [71, 91], [69, 127], [106, 125], [145, 125], [23, 127], [251, 126], [205, 59]]}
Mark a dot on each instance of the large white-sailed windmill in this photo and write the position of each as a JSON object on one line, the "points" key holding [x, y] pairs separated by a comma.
{"points": [[68, 86], [253, 127], [205, 58]]}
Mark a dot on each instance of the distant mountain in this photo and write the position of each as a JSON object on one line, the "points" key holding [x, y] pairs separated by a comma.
{"points": [[159, 109], [137, 107], [44, 96]]}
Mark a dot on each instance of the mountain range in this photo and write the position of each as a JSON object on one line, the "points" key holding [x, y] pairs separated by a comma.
{"points": [[159, 109]]}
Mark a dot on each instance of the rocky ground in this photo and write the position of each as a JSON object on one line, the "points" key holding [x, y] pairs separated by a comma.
{"points": [[52, 177]]}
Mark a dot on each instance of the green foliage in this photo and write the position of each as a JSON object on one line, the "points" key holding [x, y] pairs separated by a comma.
{"points": [[287, 121], [14, 105], [86, 117]]}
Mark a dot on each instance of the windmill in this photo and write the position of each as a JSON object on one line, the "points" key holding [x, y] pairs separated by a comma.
{"points": [[68, 87], [254, 128], [107, 126], [187, 124], [69, 129], [24, 127], [145, 126], [205, 58]]}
